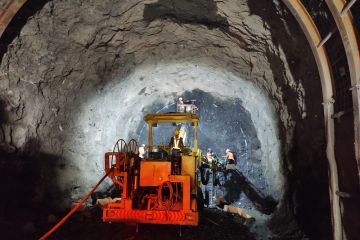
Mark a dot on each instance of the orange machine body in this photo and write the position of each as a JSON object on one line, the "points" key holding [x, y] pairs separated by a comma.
{"points": [[151, 192]]}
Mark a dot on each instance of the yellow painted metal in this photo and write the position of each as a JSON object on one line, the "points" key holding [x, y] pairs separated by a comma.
{"points": [[171, 118], [188, 169], [151, 119], [150, 137], [154, 173], [312, 34], [344, 22], [195, 136]]}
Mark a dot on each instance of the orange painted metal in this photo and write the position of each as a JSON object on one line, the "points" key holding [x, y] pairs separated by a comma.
{"points": [[185, 180], [187, 214], [150, 194], [116, 160], [111, 214], [154, 173]]}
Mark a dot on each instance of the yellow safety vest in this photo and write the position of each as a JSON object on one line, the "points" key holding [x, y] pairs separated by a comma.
{"points": [[176, 143]]}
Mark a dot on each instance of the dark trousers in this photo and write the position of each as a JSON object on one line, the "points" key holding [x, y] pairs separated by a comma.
{"points": [[176, 162]]}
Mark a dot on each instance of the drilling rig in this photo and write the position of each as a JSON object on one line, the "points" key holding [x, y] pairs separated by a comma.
{"points": [[160, 188]]}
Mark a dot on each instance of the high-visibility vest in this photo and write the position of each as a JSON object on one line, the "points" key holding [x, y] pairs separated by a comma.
{"points": [[141, 152], [176, 143]]}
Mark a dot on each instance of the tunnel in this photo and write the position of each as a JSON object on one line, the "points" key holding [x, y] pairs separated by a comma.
{"points": [[277, 82]]}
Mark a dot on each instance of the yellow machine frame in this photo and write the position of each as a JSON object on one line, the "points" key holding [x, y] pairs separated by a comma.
{"points": [[152, 119]]}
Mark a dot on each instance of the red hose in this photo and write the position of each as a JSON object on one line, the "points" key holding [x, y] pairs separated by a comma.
{"points": [[63, 220]]}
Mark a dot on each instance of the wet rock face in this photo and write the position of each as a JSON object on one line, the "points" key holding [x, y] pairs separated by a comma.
{"points": [[225, 119], [71, 54], [224, 123]]}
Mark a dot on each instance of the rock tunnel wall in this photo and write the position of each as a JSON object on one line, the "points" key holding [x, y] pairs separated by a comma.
{"points": [[71, 53]]}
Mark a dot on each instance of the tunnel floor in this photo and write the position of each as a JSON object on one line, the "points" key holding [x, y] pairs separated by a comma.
{"points": [[214, 224]]}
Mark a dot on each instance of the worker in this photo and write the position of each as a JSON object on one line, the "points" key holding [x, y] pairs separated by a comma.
{"points": [[142, 151], [230, 159], [181, 105], [193, 107], [210, 155], [176, 145], [176, 142]]}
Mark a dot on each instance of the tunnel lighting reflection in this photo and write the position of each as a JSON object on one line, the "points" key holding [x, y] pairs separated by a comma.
{"points": [[118, 111]]}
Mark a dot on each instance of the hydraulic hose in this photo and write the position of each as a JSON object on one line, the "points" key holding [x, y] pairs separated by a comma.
{"points": [[72, 211]]}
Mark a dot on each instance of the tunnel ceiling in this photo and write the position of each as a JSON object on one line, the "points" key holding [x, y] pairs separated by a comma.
{"points": [[75, 66]]}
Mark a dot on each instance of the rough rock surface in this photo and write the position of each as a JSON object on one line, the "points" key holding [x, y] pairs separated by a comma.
{"points": [[71, 56]]}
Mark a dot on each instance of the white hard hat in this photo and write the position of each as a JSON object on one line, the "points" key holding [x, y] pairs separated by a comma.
{"points": [[227, 150], [143, 145], [180, 99]]}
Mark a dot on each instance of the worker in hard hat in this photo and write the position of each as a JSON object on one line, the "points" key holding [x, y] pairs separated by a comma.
{"points": [[230, 159], [176, 145], [193, 107], [176, 142], [181, 105], [210, 155]]}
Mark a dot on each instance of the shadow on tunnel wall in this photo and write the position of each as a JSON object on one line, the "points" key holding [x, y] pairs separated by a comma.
{"points": [[202, 12], [28, 182], [306, 165]]}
